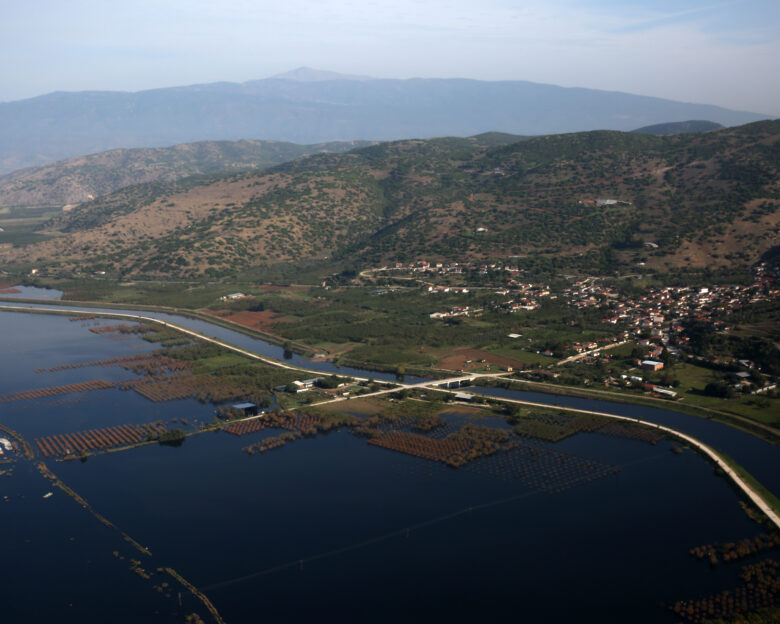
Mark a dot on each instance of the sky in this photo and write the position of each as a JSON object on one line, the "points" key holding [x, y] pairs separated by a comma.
{"points": [[725, 53]]}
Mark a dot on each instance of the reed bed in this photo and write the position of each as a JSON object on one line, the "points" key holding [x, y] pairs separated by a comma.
{"points": [[246, 427], [117, 361], [269, 444], [97, 439], [632, 431], [556, 427], [184, 386], [40, 393], [733, 551], [105, 329], [298, 424], [307, 424], [456, 450], [758, 590]]}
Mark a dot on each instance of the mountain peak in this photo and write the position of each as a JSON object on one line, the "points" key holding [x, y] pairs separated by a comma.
{"points": [[307, 74]]}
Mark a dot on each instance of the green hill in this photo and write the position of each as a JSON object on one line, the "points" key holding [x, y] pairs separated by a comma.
{"points": [[601, 201], [83, 178]]}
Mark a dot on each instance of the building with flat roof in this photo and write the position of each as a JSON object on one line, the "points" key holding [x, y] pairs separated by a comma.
{"points": [[249, 409]]}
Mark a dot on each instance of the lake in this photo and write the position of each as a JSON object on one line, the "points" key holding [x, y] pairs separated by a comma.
{"points": [[335, 528]]}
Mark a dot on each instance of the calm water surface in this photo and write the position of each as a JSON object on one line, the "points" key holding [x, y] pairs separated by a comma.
{"points": [[333, 527], [33, 292]]}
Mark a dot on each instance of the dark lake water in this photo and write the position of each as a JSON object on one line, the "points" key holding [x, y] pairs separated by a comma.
{"points": [[333, 527], [759, 457]]}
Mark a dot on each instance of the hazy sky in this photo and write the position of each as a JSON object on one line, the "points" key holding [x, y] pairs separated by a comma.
{"points": [[725, 53]]}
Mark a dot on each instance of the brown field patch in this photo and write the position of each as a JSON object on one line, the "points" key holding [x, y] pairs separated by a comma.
{"points": [[248, 318], [4, 290], [363, 407], [467, 358]]}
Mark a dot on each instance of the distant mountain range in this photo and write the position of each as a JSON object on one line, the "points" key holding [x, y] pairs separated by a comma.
{"points": [[679, 127], [308, 106], [598, 201]]}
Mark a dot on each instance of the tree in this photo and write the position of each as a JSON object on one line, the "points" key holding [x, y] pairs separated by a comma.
{"points": [[513, 411], [333, 381], [174, 437], [719, 389]]}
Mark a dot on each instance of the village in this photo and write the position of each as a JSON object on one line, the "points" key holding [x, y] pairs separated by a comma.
{"points": [[654, 324], [656, 307]]}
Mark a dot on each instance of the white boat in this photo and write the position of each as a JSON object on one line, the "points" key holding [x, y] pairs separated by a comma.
{"points": [[48, 494]]}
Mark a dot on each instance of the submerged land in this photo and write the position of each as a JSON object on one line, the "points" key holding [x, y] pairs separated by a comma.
{"points": [[414, 418]]}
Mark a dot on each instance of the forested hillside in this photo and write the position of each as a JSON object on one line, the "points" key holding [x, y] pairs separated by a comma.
{"points": [[601, 201]]}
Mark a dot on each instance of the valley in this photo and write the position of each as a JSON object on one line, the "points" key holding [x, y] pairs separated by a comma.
{"points": [[525, 314]]}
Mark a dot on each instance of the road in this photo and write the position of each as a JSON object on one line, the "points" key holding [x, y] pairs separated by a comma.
{"points": [[579, 356]]}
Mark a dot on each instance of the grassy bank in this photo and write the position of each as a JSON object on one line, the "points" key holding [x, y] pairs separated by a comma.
{"points": [[772, 500], [769, 435]]}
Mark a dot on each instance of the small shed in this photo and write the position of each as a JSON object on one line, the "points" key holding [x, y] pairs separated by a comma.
{"points": [[305, 384], [463, 396], [249, 409]]}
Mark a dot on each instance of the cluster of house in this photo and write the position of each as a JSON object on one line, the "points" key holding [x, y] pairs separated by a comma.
{"points": [[581, 347], [452, 268], [423, 266], [516, 305], [453, 290], [649, 310], [589, 292], [634, 381], [656, 318], [457, 311], [523, 297], [233, 296]]}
